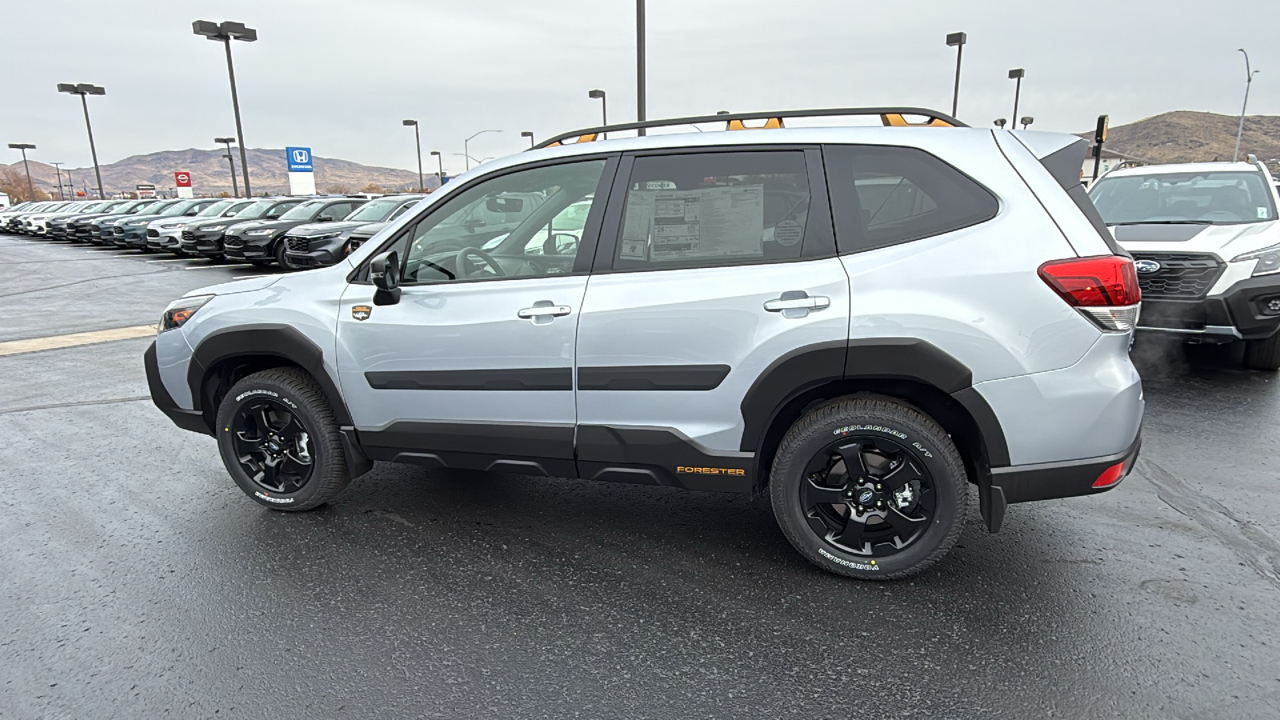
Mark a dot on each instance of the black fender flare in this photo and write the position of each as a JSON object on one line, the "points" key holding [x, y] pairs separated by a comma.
{"points": [[889, 358], [273, 339]]}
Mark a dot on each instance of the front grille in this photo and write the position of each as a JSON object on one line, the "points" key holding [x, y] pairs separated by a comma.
{"points": [[233, 241], [152, 232], [1183, 276], [188, 235], [297, 244], [117, 230]]}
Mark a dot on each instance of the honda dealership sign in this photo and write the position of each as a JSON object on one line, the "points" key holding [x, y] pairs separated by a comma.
{"points": [[182, 181], [302, 179]]}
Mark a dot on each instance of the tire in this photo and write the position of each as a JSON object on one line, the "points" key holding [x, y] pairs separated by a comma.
{"points": [[285, 391], [889, 431], [281, 260], [1263, 354]]}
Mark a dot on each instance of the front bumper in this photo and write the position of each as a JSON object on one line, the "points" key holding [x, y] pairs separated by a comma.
{"points": [[245, 247], [314, 252], [165, 240], [207, 244], [192, 420], [1243, 312], [132, 237]]}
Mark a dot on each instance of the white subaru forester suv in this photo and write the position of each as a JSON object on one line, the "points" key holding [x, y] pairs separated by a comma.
{"points": [[1206, 245]]}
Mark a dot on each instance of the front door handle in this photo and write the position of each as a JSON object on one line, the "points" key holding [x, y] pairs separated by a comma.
{"points": [[797, 304], [543, 312]]}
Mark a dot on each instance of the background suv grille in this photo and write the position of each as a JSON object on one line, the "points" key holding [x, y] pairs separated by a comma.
{"points": [[233, 241], [152, 232], [298, 244], [1184, 276], [188, 235]]}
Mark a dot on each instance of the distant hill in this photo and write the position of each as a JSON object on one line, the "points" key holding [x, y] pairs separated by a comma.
{"points": [[210, 173], [1186, 136]]}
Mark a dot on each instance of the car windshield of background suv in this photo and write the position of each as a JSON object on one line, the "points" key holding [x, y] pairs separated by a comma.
{"points": [[305, 211], [215, 209], [1199, 198], [375, 211], [176, 208]]}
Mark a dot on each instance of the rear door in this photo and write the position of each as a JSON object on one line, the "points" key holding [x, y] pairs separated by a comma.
{"points": [[715, 269]]}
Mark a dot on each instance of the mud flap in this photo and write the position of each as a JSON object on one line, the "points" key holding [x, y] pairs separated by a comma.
{"points": [[991, 503], [358, 463]]}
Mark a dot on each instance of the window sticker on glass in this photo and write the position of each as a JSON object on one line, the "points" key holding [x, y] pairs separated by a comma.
{"points": [[1262, 213], [708, 223], [637, 225]]}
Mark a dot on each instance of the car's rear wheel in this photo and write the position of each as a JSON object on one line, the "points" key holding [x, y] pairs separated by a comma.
{"points": [[1263, 354], [281, 259], [870, 488], [279, 440]]}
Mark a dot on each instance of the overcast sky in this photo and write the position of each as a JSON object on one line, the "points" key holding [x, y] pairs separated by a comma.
{"points": [[340, 76]]}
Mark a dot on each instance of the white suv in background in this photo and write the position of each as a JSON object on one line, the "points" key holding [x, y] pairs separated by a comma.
{"points": [[1206, 245]]}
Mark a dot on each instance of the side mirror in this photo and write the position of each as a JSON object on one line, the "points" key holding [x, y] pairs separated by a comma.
{"points": [[384, 273], [324, 218]]}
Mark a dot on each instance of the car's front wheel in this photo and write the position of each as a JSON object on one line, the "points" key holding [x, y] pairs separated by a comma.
{"points": [[869, 487], [1263, 354], [280, 442]]}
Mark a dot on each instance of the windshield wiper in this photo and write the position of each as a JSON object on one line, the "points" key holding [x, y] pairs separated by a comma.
{"points": [[1165, 222]]}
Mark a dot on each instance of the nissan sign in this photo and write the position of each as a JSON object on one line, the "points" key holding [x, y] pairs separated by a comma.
{"points": [[182, 179]]}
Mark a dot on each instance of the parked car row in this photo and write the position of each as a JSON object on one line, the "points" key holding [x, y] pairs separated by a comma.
{"points": [[293, 232]]}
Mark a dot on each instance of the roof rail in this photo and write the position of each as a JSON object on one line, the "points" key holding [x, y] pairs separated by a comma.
{"points": [[889, 116]]}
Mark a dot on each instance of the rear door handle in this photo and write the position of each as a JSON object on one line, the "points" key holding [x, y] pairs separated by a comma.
{"points": [[543, 311], [797, 304]]}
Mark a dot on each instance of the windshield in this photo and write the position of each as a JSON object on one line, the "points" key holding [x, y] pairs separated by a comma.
{"points": [[375, 210], [159, 208], [1202, 198], [257, 209], [215, 209], [236, 208], [305, 211]]}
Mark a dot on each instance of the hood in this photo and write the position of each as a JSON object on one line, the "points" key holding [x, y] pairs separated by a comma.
{"points": [[277, 224], [1226, 241], [239, 227], [237, 286], [325, 228]]}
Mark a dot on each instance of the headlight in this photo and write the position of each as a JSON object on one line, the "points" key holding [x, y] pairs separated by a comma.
{"points": [[1268, 260], [264, 231], [326, 236], [181, 310], [213, 228], [135, 223], [170, 226]]}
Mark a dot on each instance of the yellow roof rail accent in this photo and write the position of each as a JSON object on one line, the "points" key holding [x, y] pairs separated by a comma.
{"points": [[588, 137], [772, 123], [897, 120]]}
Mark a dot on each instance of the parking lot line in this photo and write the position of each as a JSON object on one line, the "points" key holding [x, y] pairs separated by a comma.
{"points": [[168, 260], [55, 342], [207, 267]]}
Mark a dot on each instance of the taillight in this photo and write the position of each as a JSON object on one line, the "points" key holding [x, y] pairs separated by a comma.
{"points": [[1105, 288]]}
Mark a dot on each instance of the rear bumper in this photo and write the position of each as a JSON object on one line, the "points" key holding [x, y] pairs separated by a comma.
{"points": [[1049, 481], [1243, 312]]}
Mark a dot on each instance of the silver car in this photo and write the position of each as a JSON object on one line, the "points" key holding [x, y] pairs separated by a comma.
{"points": [[861, 322]]}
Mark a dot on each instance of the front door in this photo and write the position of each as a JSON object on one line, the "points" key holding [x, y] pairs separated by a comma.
{"points": [[473, 367]]}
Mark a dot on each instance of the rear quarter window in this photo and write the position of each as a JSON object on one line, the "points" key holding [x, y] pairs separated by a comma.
{"points": [[883, 196]]}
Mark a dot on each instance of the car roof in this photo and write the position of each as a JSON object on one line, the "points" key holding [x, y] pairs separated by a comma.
{"points": [[1200, 167]]}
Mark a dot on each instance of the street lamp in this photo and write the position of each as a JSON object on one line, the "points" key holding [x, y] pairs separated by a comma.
{"points": [[528, 134], [84, 89], [417, 141], [1027, 120], [1000, 123], [225, 33], [604, 108], [57, 167], [24, 147], [467, 150], [235, 189], [640, 64], [440, 161], [1250, 72], [957, 41], [1016, 74]]}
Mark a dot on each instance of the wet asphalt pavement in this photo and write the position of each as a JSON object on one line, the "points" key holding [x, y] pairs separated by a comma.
{"points": [[137, 581]]}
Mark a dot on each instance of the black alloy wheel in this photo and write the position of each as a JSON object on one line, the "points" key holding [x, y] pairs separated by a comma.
{"points": [[272, 446], [868, 495]]}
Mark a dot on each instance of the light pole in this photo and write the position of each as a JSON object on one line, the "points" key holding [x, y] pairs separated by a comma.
{"points": [[418, 142], [528, 134], [1016, 74], [440, 165], [467, 150], [640, 64], [24, 147], [957, 40], [604, 108], [235, 189], [1000, 123], [225, 33], [1026, 120], [84, 89], [57, 167], [1250, 72]]}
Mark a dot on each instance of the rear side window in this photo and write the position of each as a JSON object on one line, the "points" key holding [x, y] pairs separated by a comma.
{"points": [[714, 208], [884, 196]]}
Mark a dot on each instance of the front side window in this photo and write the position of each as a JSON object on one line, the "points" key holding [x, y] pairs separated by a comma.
{"points": [[1197, 198], [714, 208], [486, 231], [336, 211], [884, 196]]}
